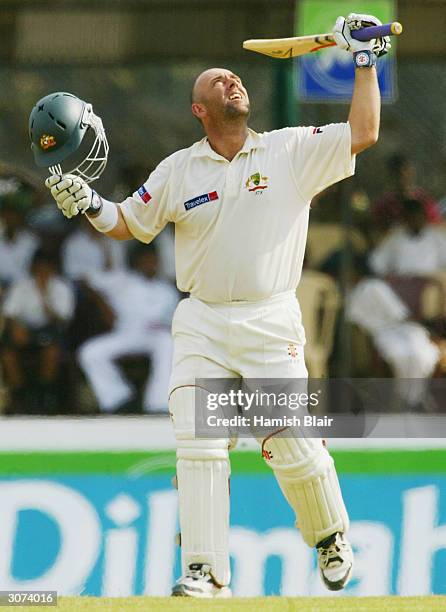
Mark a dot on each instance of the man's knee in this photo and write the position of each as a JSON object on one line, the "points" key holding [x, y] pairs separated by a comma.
{"points": [[182, 406]]}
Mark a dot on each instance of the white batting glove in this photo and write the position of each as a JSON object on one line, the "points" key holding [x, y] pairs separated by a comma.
{"points": [[355, 21], [72, 194]]}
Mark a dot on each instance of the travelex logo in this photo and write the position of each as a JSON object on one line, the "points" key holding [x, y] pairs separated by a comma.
{"points": [[144, 194], [202, 199]]}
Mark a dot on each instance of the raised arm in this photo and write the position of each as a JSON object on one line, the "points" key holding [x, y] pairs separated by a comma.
{"points": [[364, 116], [365, 110]]}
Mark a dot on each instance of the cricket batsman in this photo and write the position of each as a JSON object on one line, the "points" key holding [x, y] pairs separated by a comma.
{"points": [[240, 203]]}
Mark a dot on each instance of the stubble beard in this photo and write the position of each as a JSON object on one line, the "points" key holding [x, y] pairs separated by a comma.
{"points": [[232, 113]]}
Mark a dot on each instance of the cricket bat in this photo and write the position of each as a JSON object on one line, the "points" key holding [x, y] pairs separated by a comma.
{"points": [[284, 48]]}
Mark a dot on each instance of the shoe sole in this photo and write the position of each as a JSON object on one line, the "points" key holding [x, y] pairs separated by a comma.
{"points": [[181, 591], [339, 584]]}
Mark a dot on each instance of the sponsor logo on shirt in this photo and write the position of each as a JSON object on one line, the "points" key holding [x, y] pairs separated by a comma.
{"points": [[201, 199], [256, 182], [317, 131], [144, 194]]}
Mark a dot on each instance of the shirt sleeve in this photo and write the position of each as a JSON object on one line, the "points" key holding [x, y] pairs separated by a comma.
{"points": [[320, 156], [146, 212]]}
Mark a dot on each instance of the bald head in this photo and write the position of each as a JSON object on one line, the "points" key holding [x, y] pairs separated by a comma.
{"points": [[202, 80], [219, 90]]}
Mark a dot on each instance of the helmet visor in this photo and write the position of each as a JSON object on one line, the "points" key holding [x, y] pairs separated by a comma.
{"points": [[94, 163]]}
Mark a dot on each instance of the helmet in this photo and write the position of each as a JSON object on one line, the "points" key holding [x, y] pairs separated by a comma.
{"points": [[57, 126]]}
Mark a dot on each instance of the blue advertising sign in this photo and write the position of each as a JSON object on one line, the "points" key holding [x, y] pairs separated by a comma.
{"points": [[115, 536], [328, 75]]}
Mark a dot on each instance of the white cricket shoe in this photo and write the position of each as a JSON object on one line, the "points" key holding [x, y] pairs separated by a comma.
{"points": [[335, 558], [199, 582]]}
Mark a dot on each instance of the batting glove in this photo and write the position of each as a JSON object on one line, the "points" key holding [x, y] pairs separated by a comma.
{"points": [[354, 21], [72, 194]]}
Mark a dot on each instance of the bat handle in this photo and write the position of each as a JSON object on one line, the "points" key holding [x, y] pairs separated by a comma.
{"points": [[386, 29]]}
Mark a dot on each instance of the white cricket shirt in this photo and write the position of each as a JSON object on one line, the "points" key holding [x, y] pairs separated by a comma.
{"points": [[241, 226]]}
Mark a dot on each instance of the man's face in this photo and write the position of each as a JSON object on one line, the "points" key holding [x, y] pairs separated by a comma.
{"points": [[221, 94]]}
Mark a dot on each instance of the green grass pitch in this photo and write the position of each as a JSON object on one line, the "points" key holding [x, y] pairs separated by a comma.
{"points": [[268, 604]]}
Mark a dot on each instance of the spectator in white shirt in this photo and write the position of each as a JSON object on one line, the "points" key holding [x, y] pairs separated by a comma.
{"points": [[143, 306], [86, 251], [36, 310], [404, 344], [415, 249]]}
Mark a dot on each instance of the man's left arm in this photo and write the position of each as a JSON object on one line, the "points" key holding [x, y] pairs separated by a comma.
{"points": [[365, 110], [365, 107]]}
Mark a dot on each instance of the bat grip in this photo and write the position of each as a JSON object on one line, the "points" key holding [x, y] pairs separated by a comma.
{"points": [[386, 29]]}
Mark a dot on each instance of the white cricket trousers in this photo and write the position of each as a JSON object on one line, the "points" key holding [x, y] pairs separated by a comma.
{"points": [[261, 339], [249, 340], [97, 358]]}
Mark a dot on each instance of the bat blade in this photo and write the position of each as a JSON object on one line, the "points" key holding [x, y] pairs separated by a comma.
{"points": [[284, 48]]}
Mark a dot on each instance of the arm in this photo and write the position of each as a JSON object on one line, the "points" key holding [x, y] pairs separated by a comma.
{"points": [[364, 113], [120, 231], [142, 215]]}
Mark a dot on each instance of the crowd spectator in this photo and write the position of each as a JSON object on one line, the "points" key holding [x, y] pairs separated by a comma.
{"points": [[403, 343], [416, 248], [386, 308], [143, 306], [17, 243], [85, 251], [36, 309], [388, 209]]}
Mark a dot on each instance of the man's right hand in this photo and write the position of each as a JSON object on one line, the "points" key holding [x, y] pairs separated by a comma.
{"points": [[72, 194]]}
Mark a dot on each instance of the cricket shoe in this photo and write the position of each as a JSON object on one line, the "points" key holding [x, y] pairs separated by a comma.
{"points": [[199, 582], [335, 558]]}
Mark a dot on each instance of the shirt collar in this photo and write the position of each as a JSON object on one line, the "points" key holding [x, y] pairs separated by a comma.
{"points": [[204, 149]]}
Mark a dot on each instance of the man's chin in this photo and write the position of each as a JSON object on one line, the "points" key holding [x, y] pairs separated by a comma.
{"points": [[237, 111]]}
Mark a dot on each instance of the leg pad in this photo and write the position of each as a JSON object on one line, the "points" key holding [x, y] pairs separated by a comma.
{"points": [[203, 490], [307, 476]]}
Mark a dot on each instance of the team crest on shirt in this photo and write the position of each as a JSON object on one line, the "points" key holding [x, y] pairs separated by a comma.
{"points": [[256, 183]]}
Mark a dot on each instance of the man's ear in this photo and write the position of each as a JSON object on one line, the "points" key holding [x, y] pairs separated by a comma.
{"points": [[198, 110]]}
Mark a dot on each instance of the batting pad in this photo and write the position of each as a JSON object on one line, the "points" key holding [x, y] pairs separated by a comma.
{"points": [[307, 476], [203, 472]]}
